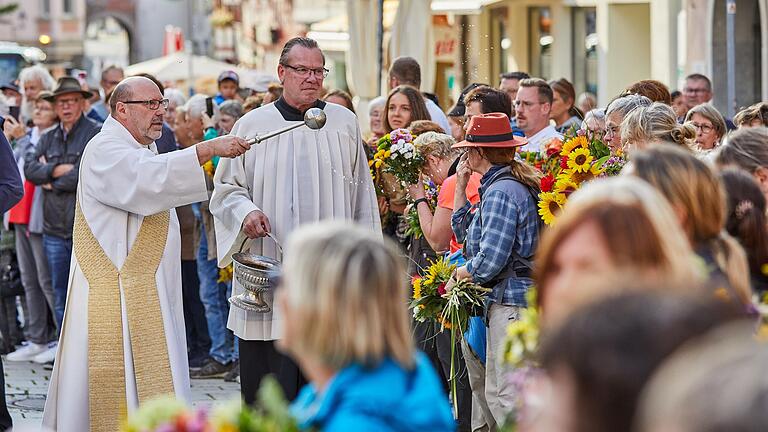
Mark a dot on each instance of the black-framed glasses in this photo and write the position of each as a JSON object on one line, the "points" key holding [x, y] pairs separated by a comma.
{"points": [[704, 128], [304, 72], [153, 104]]}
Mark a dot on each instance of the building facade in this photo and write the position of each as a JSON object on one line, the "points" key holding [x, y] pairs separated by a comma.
{"points": [[603, 46]]}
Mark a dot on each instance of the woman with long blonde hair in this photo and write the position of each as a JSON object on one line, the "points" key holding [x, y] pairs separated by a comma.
{"points": [[697, 196], [610, 227], [348, 329]]}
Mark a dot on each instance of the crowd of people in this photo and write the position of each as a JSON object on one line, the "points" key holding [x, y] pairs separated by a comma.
{"points": [[649, 284]]}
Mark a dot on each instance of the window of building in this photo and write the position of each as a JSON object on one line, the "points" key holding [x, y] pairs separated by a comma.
{"points": [[67, 6], [584, 50], [541, 39], [45, 7]]}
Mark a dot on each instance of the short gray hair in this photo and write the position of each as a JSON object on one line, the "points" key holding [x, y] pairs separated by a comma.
{"points": [[195, 107], [626, 104], [231, 108], [709, 112], [377, 102], [37, 72], [175, 96]]}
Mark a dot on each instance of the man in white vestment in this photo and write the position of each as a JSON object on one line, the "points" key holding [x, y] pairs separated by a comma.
{"points": [[299, 177], [123, 340]]}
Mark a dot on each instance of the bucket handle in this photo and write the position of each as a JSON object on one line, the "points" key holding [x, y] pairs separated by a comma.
{"points": [[277, 243]]}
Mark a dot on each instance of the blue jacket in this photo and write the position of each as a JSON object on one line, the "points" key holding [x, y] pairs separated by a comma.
{"points": [[385, 398], [11, 189]]}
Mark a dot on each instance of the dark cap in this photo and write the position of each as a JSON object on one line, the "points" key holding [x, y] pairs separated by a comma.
{"points": [[460, 109], [10, 86], [228, 75]]}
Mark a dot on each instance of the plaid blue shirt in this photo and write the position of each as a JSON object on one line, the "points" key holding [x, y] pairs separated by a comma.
{"points": [[506, 220]]}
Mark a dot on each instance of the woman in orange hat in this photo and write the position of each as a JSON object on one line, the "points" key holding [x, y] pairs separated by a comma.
{"points": [[499, 235]]}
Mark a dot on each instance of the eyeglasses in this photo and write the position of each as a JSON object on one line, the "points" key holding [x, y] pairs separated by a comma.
{"points": [[704, 128], [153, 104], [526, 104], [305, 72], [65, 102], [611, 131], [694, 90]]}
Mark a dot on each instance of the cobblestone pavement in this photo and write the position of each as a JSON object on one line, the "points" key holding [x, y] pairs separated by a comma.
{"points": [[26, 384]]}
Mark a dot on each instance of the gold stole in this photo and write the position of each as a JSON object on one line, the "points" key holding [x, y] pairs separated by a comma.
{"points": [[106, 364]]}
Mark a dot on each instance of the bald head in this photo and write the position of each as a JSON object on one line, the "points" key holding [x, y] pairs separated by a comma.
{"points": [[129, 87], [138, 105]]}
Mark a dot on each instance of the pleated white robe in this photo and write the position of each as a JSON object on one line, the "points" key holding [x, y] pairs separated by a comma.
{"points": [[121, 181], [299, 177]]}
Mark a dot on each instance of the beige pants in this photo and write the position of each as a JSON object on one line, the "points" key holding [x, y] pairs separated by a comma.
{"points": [[482, 420], [498, 392]]}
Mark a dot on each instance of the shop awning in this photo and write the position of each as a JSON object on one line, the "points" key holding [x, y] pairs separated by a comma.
{"points": [[459, 7]]}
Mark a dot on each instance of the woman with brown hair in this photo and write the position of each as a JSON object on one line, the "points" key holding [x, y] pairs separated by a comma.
{"points": [[697, 197], [404, 105], [499, 236], [340, 97], [654, 90], [747, 222], [747, 149], [564, 111], [629, 228]]}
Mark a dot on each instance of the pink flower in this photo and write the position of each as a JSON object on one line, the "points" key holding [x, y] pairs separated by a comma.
{"points": [[441, 289]]}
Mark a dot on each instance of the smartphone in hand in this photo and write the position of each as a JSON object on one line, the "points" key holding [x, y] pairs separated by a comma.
{"points": [[209, 106], [14, 111]]}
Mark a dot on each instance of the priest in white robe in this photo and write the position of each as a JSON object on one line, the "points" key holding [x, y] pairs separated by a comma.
{"points": [[299, 177], [123, 340]]}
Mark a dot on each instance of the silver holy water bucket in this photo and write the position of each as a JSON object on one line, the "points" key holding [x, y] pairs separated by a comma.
{"points": [[257, 274]]}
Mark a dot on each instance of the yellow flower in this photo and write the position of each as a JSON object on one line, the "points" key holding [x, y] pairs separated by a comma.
{"points": [[417, 288], [565, 184], [550, 204], [378, 164], [574, 143], [209, 168], [581, 177], [225, 274], [370, 163], [387, 154], [580, 160]]}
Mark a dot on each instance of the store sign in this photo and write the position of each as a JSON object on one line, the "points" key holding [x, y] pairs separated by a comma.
{"points": [[446, 43]]}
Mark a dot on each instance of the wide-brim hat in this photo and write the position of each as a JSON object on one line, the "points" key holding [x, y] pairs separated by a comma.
{"points": [[490, 130], [67, 85]]}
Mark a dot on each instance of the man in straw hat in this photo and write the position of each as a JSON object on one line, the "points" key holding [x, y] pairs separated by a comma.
{"points": [[54, 166], [123, 338]]}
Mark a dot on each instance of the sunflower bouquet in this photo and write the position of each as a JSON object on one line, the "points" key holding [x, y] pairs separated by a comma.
{"points": [[581, 158], [412, 216], [397, 155]]}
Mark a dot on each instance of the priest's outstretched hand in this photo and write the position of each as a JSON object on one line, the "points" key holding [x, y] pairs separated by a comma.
{"points": [[256, 225], [224, 146]]}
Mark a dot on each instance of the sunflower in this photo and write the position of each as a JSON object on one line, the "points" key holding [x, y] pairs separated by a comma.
{"points": [[550, 204], [580, 160], [581, 177], [417, 288], [574, 143], [565, 184]]}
